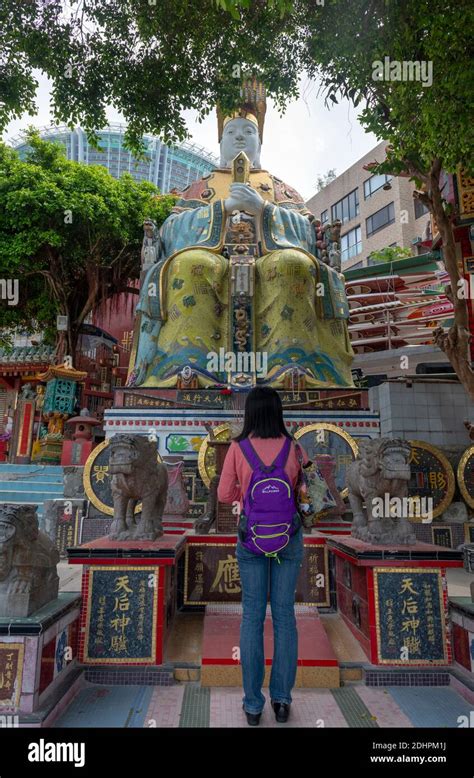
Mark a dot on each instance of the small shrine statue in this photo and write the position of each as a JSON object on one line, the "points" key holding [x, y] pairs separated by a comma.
{"points": [[150, 245], [240, 270]]}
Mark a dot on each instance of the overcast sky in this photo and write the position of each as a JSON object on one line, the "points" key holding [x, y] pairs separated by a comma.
{"points": [[307, 141]]}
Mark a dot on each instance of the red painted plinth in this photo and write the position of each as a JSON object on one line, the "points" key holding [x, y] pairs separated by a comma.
{"points": [[159, 558], [221, 635], [358, 569]]}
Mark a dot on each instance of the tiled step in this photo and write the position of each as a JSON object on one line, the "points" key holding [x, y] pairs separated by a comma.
{"points": [[318, 666], [28, 475], [36, 470], [29, 495], [30, 484], [22, 487]]}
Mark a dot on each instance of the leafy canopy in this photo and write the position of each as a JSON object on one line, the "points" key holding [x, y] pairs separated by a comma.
{"points": [[151, 59], [69, 233]]}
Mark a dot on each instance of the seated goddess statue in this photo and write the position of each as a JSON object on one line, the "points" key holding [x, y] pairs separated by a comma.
{"points": [[241, 270]]}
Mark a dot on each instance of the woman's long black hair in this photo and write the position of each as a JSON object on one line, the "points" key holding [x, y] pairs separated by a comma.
{"points": [[263, 414]]}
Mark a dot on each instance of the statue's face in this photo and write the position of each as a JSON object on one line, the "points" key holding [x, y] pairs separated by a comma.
{"points": [[394, 464], [240, 135], [122, 457]]}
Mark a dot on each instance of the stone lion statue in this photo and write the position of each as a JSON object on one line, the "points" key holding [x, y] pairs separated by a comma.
{"points": [[380, 473], [136, 476], [28, 559]]}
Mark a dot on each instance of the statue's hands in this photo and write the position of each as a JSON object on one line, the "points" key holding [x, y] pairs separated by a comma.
{"points": [[243, 198]]}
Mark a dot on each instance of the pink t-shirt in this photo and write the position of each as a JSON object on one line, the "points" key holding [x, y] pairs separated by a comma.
{"points": [[236, 471]]}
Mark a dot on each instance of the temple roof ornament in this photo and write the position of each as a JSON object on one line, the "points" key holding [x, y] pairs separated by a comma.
{"points": [[64, 372]]}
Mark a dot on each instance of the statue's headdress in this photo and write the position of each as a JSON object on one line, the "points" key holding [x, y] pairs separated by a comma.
{"points": [[252, 106]]}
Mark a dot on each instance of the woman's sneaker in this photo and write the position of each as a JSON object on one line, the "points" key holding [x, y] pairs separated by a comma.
{"points": [[282, 711]]}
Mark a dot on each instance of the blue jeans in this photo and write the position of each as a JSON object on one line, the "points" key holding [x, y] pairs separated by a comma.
{"points": [[257, 573]]}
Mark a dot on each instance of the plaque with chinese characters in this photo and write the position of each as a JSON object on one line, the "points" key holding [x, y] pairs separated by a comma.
{"points": [[442, 536], [121, 616], [410, 619], [431, 476], [212, 575], [68, 526], [11, 671]]}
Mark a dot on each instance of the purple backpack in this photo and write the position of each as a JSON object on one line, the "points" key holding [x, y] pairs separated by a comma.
{"points": [[270, 516]]}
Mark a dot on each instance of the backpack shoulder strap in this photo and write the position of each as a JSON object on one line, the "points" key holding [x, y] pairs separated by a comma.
{"points": [[282, 456], [250, 454]]}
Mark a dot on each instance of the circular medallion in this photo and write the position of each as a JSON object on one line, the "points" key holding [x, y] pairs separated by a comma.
{"points": [[207, 455], [431, 477], [97, 479], [326, 438], [466, 476]]}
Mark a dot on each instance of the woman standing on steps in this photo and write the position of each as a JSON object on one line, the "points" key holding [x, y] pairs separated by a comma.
{"points": [[264, 446]]}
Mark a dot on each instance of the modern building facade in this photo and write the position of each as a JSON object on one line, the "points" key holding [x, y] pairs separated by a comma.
{"points": [[375, 211], [168, 167]]}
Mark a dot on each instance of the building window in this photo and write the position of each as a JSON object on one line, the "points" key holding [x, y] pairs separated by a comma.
{"points": [[351, 244], [347, 208], [374, 183], [324, 216], [380, 219], [420, 209]]}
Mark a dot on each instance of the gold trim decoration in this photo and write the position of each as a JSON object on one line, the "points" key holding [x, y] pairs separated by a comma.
{"points": [[86, 478], [446, 502], [14, 700], [206, 460], [156, 571], [323, 425], [402, 571], [468, 498]]}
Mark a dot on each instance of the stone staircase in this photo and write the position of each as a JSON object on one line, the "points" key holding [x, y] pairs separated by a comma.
{"points": [[30, 484]]}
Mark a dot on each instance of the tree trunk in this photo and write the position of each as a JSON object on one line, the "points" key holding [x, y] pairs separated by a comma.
{"points": [[456, 342]]}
